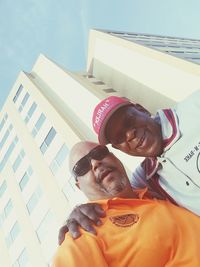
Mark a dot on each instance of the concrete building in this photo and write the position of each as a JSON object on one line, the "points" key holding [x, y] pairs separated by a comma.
{"points": [[47, 111]]}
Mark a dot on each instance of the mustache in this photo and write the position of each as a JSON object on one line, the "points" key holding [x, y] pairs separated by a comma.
{"points": [[105, 170]]}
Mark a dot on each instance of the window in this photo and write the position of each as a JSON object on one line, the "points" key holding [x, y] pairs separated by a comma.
{"points": [[6, 211], [17, 93], [18, 160], [43, 229], [24, 181], [30, 112], [98, 83], [8, 208], [8, 153], [14, 232], [38, 125], [59, 159], [5, 137], [3, 188], [22, 260], [69, 189], [3, 121], [109, 90], [48, 139], [88, 76], [25, 178], [23, 103], [34, 199]]}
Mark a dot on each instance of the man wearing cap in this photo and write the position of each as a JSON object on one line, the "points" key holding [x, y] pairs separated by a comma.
{"points": [[137, 231], [169, 141]]}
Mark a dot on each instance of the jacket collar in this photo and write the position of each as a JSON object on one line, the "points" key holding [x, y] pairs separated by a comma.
{"points": [[170, 133]]}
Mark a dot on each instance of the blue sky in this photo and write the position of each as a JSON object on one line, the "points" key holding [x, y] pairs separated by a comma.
{"points": [[59, 29]]}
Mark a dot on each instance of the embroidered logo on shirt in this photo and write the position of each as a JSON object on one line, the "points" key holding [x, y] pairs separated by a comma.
{"points": [[125, 220]]}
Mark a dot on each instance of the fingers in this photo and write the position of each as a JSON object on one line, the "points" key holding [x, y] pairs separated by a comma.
{"points": [[99, 210], [82, 216], [92, 212], [84, 222], [73, 228], [61, 236]]}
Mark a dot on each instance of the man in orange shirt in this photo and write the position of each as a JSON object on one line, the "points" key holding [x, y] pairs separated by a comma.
{"points": [[137, 231]]}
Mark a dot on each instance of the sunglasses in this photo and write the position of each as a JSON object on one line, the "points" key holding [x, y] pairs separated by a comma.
{"points": [[84, 164]]}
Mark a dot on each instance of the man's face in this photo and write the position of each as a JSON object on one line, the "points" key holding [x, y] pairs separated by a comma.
{"points": [[134, 132], [106, 177]]}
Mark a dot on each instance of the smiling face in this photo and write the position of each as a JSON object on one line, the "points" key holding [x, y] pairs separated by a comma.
{"points": [[106, 177], [134, 132]]}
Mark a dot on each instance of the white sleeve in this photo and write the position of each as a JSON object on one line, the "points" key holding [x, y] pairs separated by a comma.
{"points": [[138, 178]]}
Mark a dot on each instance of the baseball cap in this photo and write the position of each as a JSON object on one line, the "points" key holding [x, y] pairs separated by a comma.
{"points": [[102, 113]]}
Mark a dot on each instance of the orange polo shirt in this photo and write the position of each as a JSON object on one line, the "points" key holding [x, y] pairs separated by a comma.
{"points": [[136, 233]]}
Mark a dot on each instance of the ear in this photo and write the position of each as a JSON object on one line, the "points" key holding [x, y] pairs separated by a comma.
{"points": [[141, 109], [77, 185], [114, 146]]}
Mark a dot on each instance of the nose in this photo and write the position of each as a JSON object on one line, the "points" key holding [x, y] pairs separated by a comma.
{"points": [[95, 164], [130, 135]]}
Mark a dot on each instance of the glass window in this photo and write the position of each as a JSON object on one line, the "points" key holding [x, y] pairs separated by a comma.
{"points": [[18, 160], [30, 112], [26, 120], [14, 232], [32, 109], [98, 83], [3, 188], [8, 153], [69, 189], [62, 154], [54, 167], [2, 218], [23, 181], [30, 171], [38, 124], [43, 229], [50, 136], [109, 90], [48, 139], [23, 259], [34, 132], [2, 124], [88, 76], [8, 240], [23, 103], [59, 159], [3, 140], [3, 121], [34, 199], [8, 208], [17, 93], [40, 121], [24, 100]]}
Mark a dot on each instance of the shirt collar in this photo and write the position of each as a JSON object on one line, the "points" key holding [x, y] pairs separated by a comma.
{"points": [[140, 193]]}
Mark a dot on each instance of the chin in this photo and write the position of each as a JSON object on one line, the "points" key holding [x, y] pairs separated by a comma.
{"points": [[117, 191]]}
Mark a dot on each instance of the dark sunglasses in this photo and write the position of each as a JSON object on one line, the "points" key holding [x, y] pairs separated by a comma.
{"points": [[84, 164]]}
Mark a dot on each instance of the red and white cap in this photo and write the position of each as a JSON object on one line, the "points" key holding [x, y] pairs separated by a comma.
{"points": [[102, 113]]}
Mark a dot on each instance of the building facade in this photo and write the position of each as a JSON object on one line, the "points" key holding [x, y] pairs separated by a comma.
{"points": [[185, 48], [48, 110]]}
